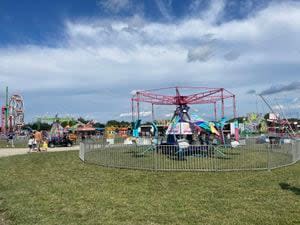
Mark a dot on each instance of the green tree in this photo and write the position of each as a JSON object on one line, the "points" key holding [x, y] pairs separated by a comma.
{"points": [[99, 125], [65, 123], [239, 119], [68, 123], [124, 124], [82, 120], [112, 123], [266, 116], [39, 126]]}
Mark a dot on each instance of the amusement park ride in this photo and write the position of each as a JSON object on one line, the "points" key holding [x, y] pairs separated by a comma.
{"points": [[12, 117], [182, 123], [281, 126]]}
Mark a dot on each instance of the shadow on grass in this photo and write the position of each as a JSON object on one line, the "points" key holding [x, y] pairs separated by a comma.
{"points": [[232, 153], [130, 152], [138, 155], [288, 187], [225, 157]]}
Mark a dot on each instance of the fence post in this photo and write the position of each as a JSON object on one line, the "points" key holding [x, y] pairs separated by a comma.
{"points": [[297, 150], [293, 151], [212, 152], [269, 157], [81, 151], [155, 157]]}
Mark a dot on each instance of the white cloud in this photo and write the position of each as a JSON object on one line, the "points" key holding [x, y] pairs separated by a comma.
{"points": [[142, 114], [296, 100], [135, 53], [125, 114], [282, 108], [212, 14], [133, 92], [278, 107], [215, 11], [169, 115], [114, 5], [145, 113], [165, 8], [201, 54]]}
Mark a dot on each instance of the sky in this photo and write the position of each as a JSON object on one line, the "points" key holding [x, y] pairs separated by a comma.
{"points": [[84, 58]]}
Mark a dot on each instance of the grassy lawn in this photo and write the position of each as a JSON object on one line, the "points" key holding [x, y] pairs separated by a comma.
{"points": [[57, 188], [17, 144]]}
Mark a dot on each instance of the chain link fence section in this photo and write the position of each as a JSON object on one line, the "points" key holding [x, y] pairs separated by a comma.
{"points": [[251, 156]]}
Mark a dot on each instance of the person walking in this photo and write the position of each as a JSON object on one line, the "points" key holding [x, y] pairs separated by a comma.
{"points": [[34, 144], [30, 144], [38, 138]]}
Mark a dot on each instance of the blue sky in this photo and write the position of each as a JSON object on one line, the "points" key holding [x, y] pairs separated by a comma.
{"points": [[42, 22], [85, 57]]}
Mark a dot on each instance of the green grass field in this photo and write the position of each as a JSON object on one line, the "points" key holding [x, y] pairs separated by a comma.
{"points": [[57, 188], [17, 144]]}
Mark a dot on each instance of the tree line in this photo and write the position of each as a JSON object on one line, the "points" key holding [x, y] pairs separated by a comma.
{"points": [[37, 125]]}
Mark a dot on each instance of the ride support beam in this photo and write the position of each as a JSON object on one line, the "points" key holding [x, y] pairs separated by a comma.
{"points": [[152, 112], [138, 109], [222, 102], [215, 111], [132, 110], [234, 106]]}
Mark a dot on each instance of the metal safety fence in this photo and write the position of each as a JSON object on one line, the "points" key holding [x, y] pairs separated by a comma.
{"points": [[250, 156]]}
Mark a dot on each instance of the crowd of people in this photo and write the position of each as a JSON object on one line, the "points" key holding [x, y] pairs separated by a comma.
{"points": [[37, 142]]}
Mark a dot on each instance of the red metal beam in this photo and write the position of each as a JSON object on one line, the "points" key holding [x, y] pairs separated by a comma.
{"points": [[204, 95], [209, 96]]}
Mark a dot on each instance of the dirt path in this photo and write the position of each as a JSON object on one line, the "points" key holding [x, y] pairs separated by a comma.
{"points": [[4, 152]]}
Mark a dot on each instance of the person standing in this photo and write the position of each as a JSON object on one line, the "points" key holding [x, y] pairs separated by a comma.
{"points": [[45, 145], [10, 140], [38, 138], [34, 144], [30, 144]]}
